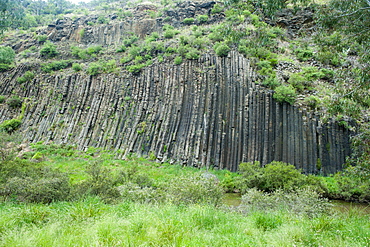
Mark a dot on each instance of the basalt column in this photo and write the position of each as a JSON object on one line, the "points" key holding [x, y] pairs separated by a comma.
{"points": [[206, 112]]}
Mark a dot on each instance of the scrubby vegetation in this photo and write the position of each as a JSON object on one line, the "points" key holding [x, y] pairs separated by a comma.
{"points": [[94, 198]]}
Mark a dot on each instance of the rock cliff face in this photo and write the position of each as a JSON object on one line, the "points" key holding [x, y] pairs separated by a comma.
{"points": [[206, 112]]}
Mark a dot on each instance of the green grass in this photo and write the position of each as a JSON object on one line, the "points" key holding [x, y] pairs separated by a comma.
{"points": [[161, 205], [93, 223]]}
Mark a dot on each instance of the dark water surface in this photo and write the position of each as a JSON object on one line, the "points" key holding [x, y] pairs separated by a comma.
{"points": [[234, 199]]}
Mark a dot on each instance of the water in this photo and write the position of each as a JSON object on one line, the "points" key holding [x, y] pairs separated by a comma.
{"points": [[234, 199], [343, 206]]}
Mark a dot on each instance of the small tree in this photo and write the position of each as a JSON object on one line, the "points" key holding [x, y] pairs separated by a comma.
{"points": [[285, 94], [49, 50], [222, 50], [7, 56]]}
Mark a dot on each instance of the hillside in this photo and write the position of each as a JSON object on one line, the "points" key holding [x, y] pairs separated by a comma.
{"points": [[197, 83]]}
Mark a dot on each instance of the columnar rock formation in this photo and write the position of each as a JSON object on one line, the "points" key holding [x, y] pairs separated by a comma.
{"points": [[206, 112]]}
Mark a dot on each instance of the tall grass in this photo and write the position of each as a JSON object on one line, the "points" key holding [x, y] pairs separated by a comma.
{"points": [[91, 222]]}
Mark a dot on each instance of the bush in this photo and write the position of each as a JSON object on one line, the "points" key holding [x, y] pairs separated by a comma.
{"points": [[217, 8], [48, 50], [178, 60], [28, 76], [188, 21], [192, 54], [222, 50], [2, 99], [312, 101], [30, 182], [274, 176], [298, 81], [285, 94], [93, 49], [303, 54], [42, 38], [100, 182], [271, 81], [169, 33], [304, 202], [102, 20], [9, 126], [7, 56], [280, 175], [135, 69], [329, 58], [76, 67], [200, 188], [55, 66], [94, 68], [202, 18], [14, 102]]}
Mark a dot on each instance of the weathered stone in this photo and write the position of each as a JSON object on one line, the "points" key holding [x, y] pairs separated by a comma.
{"points": [[206, 112]]}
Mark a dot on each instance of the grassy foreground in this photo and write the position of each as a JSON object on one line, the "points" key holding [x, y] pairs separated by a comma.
{"points": [[91, 222], [58, 196]]}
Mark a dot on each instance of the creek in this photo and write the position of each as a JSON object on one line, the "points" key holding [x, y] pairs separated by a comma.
{"points": [[234, 199]]}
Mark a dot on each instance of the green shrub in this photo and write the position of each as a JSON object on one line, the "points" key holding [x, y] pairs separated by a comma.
{"points": [[7, 56], [274, 176], [327, 74], [312, 101], [312, 73], [167, 27], [216, 36], [110, 66], [329, 58], [78, 52], [11, 125], [129, 41], [48, 50], [188, 21], [298, 81], [285, 94], [222, 50], [94, 68], [42, 38], [192, 54], [135, 69], [303, 202], [102, 20], [100, 182], [303, 54], [28, 76], [169, 33], [29, 182], [217, 8], [271, 81], [55, 66], [200, 188], [2, 99], [178, 60], [202, 18], [280, 175], [122, 48], [93, 49], [14, 102], [76, 67]]}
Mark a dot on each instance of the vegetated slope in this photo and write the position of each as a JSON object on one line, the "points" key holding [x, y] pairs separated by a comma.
{"points": [[180, 94]]}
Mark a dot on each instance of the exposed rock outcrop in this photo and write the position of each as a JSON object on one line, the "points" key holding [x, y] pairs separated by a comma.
{"points": [[206, 112]]}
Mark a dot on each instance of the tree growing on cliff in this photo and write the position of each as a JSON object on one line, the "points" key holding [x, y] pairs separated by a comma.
{"points": [[7, 56], [11, 14]]}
